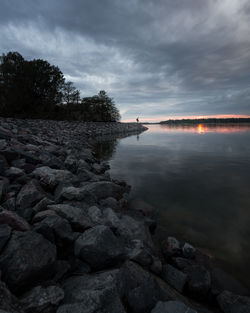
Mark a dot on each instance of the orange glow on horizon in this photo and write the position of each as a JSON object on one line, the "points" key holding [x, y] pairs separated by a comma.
{"points": [[165, 118]]}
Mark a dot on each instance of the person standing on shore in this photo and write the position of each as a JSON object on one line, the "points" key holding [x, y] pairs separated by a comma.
{"points": [[137, 120]]}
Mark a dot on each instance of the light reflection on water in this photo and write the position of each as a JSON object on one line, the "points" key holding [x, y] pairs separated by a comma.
{"points": [[198, 178]]}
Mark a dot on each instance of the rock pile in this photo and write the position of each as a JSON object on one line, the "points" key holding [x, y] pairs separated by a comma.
{"points": [[69, 241]]}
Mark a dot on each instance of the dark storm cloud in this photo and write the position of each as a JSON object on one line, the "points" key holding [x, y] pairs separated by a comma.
{"points": [[155, 58]]}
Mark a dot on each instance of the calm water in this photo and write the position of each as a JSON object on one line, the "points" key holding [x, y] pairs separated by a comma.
{"points": [[198, 179]]}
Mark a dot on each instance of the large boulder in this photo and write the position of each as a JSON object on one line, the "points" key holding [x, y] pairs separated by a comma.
{"points": [[231, 303], [75, 216], [28, 196], [56, 229], [172, 307], [5, 232], [42, 299], [74, 193], [13, 220], [174, 277], [27, 258], [99, 247], [144, 297], [51, 177], [105, 189], [91, 293], [198, 282]]}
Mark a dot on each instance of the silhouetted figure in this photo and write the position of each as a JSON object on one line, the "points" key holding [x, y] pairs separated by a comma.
{"points": [[138, 137], [137, 120]]}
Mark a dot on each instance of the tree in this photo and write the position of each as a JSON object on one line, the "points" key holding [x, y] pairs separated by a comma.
{"points": [[70, 93], [28, 88]]}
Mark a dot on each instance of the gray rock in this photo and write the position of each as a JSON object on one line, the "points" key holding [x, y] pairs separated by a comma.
{"points": [[183, 263], [42, 205], [188, 251], [110, 218], [95, 214], [144, 297], [75, 216], [14, 172], [26, 259], [105, 189], [5, 232], [73, 193], [51, 177], [110, 202], [13, 220], [82, 165], [42, 299], [99, 247], [42, 215], [140, 253], [231, 303], [91, 293], [28, 196], [8, 302], [10, 204], [172, 307], [71, 163], [4, 182], [174, 277], [56, 229], [170, 247], [199, 281]]}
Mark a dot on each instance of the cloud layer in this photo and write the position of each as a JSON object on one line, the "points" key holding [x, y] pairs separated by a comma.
{"points": [[156, 58]]}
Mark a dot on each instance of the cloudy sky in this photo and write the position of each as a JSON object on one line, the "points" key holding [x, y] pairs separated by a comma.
{"points": [[156, 58]]}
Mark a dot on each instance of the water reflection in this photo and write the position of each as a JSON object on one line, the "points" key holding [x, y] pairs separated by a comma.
{"points": [[199, 184], [200, 128]]}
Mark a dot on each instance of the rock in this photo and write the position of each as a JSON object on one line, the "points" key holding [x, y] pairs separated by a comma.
{"points": [[71, 163], [99, 247], [110, 202], [62, 268], [10, 204], [42, 205], [26, 259], [3, 164], [105, 189], [51, 177], [174, 277], [8, 302], [5, 232], [28, 196], [156, 266], [42, 215], [91, 293], [29, 158], [199, 281], [13, 220], [5, 134], [171, 247], [73, 193], [74, 215], [42, 299], [188, 251], [82, 165], [110, 218], [140, 253], [95, 214], [4, 182], [172, 307], [56, 229], [183, 263], [14, 172], [144, 297], [231, 303], [81, 267]]}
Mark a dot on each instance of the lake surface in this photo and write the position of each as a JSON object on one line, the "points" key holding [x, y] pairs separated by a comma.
{"points": [[198, 179]]}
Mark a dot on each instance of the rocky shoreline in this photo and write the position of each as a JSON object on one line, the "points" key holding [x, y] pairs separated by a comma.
{"points": [[71, 242]]}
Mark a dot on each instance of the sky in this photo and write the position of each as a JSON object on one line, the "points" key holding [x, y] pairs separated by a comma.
{"points": [[157, 59]]}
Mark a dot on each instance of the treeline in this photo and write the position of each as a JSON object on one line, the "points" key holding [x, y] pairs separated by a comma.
{"points": [[207, 121], [37, 89]]}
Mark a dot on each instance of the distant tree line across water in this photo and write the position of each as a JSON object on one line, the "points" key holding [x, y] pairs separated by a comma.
{"points": [[37, 89], [207, 121]]}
